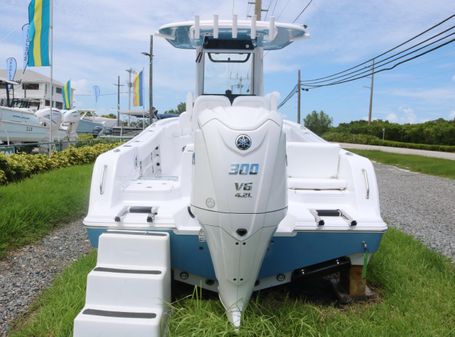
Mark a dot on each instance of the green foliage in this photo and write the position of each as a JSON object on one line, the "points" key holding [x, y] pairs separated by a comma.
{"points": [[111, 115], [33, 207], [181, 107], [439, 131], [318, 122], [16, 167], [428, 165], [416, 298], [344, 137]]}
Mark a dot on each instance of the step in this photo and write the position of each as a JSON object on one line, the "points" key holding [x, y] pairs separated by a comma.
{"points": [[140, 289], [107, 322], [134, 250]]}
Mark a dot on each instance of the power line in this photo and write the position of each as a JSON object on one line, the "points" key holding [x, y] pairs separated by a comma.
{"points": [[288, 97], [286, 100], [6, 36], [274, 7], [385, 69], [267, 11], [283, 9], [381, 63], [303, 10], [110, 94], [384, 53]]}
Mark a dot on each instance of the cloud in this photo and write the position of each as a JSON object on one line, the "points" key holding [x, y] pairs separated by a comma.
{"points": [[452, 114], [405, 115], [337, 27], [391, 117], [95, 41], [408, 115], [81, 85], [432, 94]]}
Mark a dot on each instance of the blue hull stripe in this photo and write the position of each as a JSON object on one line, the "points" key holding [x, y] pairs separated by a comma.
{"points": [[284, 254]]}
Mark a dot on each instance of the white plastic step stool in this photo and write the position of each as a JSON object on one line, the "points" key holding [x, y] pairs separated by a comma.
{"points": [[129, 290]]}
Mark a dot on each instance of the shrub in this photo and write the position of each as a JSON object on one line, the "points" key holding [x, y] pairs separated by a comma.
{"points": [[344, 137], [439, 131], [19, 166]]}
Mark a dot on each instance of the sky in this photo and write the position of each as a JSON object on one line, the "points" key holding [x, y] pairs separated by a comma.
{"points": [[97, 40]]}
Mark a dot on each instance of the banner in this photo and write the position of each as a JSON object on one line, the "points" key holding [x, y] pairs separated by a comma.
{"points": [[66, 92], [137, 87], [26, 39], [38, 33], [11, 66]]}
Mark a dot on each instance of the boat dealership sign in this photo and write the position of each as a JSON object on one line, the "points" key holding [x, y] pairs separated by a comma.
{"points": [[11, 67]]}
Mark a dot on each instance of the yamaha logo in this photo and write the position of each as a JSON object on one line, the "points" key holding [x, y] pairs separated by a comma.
{"points": [[243, 142]]}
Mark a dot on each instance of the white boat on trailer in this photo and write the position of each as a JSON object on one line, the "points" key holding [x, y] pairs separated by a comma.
{"points": [[19, 124], [227, 196]]}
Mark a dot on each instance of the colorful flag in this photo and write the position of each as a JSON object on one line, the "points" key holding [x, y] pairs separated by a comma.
{"points": [[39, 13], [137, 86], [66, 92]]}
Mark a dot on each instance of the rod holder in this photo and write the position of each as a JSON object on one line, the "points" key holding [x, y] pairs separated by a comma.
{"points": [[234, 26], [197, 27], [215, 27], [253, 27], [272, 29]]}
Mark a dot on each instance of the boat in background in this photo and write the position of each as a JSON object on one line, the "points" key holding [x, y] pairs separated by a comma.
{"points": [[90, 121], [227, 196], [19, 124]]}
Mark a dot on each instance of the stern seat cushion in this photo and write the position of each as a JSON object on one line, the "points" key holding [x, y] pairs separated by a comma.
{"points": [[316, 184], [313, 166]]}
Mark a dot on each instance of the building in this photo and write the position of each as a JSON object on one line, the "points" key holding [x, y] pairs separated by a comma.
{"points": [[35, 89]]}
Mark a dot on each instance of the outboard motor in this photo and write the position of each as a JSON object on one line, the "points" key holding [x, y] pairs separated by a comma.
{"points": [[70, 122], [239, 194], [45, 115]]}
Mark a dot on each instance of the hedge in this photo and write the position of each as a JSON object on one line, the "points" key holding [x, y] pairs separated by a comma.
{"points": [[343, 137], [16, 167], [435, 132]]}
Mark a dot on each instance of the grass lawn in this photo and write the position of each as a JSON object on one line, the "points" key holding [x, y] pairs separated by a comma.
{"points": [[31, 208], [434, 166], [416, 289]]}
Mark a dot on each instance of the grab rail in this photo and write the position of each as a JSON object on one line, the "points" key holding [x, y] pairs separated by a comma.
{"points": [[103, 177], [367, 184], [317, 218], [150, 211]]}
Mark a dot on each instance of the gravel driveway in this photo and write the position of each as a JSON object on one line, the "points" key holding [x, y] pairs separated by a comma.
{"points": [[418, 204], [402, 150], [29, 270]]}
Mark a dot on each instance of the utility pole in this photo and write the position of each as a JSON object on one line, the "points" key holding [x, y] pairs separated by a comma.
{"points": [[118, 85], [299, 85], [150, 55], [258, 9], [371, 94], [130, 85]]}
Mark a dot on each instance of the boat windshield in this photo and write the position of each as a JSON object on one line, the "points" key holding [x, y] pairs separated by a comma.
{"points": [[228, 73]]}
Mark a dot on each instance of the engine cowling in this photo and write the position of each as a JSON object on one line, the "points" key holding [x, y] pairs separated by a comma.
{"points": [[239, 194]]}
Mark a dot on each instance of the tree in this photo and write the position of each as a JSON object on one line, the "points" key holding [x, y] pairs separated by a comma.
{"points": [[318, 122], [181, 107]]}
